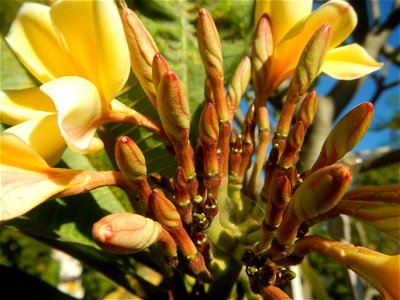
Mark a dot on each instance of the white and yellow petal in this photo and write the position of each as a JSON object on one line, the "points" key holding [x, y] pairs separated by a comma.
{"points": [[26, 179], [349, 62], [22, 105], [34, 41], [95, 42], [339, 14], [80, 111], [43, 136], [284, 14]]}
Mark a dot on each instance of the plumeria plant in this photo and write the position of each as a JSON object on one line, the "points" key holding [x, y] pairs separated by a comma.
{"points": [[227, 212]]}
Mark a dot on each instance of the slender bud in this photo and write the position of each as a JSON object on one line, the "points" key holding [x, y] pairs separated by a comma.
{"points": [[142, 49], [209, 132], [211, 55], [345, 135], [310, 62], [132, 164], [307, 110], [125, 233], [209, 45], [306, 72], [239, 82], [165, 211], [173, 108], [293, 145], [159, 68], [262, 50]]}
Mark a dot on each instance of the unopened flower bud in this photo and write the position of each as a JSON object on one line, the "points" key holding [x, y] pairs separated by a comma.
{"points": [[209, 133], [173, 108], [159, 67], [310, 62], [125, 233], [307, 110], [345, 135], [262, 50], [142, 49], [319, 193], [239, 82], [130, 159], [165, 211], [209, 45]]}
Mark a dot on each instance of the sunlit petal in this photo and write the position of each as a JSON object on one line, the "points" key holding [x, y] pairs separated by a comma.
{"points": [[113, 60], [95, 41], [349, 62], [79, 109], [28, 182], [339, 14], [283, 14], [21, 105], [42, 135], [34, 41]]}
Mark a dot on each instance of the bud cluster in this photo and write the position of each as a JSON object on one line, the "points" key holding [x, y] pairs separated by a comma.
{"points": [[216, 202]]}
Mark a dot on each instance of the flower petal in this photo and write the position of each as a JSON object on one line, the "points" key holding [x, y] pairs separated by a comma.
{"points": [[26, 179], [349, 62], [284, 14], [339, 14], [95, 42], [22, 105], [33, 39], [42, 135], [79, 109]]}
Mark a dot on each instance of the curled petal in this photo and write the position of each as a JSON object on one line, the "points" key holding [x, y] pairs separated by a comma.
{"points": [[33, 39], [381, 270], [79, 110], [338, 14], [383, 216], [28, 182], [349, 62], [23, 105], [95, 42], [284, 14], [42, 135]]}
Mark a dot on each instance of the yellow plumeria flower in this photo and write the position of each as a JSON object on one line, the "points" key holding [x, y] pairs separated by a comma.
{"points": [[381, 270], [293, 23], [78, 51], [27, 182]]}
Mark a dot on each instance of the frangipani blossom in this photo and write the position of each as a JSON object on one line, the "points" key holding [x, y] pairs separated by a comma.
{"points": [[78, 50], [381, 270], [293, 24], [27, 182]]}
